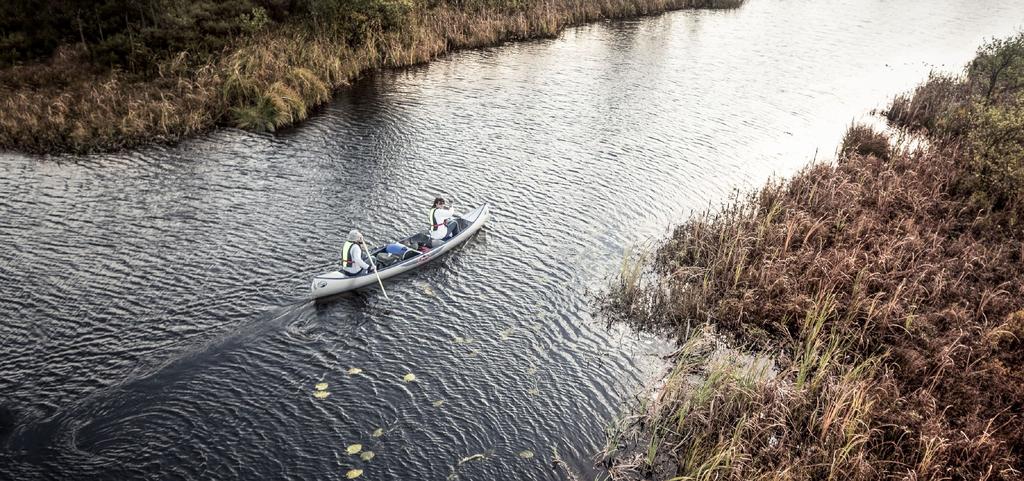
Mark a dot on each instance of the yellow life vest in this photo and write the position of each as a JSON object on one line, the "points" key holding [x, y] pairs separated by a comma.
{"points": [[346, 254]]}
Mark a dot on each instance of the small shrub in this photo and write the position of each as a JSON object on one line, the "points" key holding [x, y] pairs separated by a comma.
{"points": [[861, 139], [981, 111], [997, 72], [996, 146]]}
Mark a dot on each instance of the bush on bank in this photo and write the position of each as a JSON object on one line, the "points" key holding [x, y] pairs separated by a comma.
{"points": [[875, 306], [982, 112]]}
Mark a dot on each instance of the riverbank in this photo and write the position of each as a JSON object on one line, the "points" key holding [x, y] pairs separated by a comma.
{"points": [[861, 320], [267, 79]]}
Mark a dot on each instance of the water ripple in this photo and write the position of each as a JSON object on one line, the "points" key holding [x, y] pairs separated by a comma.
{"points": [[156, 321]]}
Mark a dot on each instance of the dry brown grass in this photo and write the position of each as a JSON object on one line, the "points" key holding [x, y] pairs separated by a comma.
{"points": [[63, 106], [265, 82], [895, 315]]}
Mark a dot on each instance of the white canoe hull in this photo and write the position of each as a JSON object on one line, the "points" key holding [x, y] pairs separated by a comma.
{"points": [[336, 282]]}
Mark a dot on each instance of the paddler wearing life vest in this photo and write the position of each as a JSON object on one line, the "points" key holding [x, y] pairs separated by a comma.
{"points": [[352, 262], [443, 225]]}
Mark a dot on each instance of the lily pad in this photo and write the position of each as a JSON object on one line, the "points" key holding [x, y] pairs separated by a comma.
{"points": [[409, 377], [378, 432], [321, 386], [355, 448], [526, 454], [321, 394], [354, 473], [367, 455], [353, 371]]}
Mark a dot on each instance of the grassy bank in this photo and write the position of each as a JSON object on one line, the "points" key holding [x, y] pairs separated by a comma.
{"points": [[260, 75], [874, 307]]}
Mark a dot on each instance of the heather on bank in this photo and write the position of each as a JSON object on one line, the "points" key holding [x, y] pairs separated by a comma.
{"points": [[91, 76], [861, 320]]}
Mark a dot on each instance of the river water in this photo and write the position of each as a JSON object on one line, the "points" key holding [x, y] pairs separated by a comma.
{"points": [[155, 321]]}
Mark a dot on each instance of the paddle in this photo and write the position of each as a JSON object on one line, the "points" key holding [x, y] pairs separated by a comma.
{"points": [[374, 265]]}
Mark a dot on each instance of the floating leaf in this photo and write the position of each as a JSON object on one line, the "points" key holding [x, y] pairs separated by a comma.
{"points": [[455, 469], [409, 377], [321, 386], [526, 454], [533, 391], [367, 455], [378, 432], [471, 458], [353, 371], [438, 403], [321, 394], [354, 473], [355, 448]]}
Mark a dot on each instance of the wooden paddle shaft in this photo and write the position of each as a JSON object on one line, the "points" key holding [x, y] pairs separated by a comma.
{"points": [[374, 265]]}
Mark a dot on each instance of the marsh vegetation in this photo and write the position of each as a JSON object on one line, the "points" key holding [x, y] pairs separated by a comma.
{"points": [[886, 290], [116, 74]]}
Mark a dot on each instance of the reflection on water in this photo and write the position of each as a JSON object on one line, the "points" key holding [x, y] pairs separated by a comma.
{"points": [[155, 314]]}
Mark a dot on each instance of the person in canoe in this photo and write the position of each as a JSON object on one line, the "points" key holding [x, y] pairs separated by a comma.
{"points": [[442, 221], [352, 257]]}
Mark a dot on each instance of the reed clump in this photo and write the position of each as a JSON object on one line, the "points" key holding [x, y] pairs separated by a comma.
{"points": [[270, 75], [890, 299], [861, 139]]}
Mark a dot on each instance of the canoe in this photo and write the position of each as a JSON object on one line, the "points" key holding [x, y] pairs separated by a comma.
{"points": [[389, 265]]}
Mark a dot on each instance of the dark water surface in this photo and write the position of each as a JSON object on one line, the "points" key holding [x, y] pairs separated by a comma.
{"points": [[155, 323]]}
